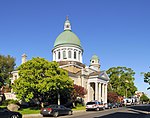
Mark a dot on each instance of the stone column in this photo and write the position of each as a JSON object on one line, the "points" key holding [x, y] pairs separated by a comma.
{"points": [[105, 93], [103, 90], [96, 91], [56, 56], [88, 87], [81, 57], [99, 92], [72, 54]]}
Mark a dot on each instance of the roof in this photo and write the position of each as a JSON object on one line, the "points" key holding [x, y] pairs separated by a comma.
{"points": [[67, 37], [94, 57]]}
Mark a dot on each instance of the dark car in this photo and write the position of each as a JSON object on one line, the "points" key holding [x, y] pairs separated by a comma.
{"points": [[115, 105], [55, 110], [5, 113]]}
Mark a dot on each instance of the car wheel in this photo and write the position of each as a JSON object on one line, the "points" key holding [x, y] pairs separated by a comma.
{"points": [[97, 109], [55, 114], [70, 113], [14, 116], [44, 115]]}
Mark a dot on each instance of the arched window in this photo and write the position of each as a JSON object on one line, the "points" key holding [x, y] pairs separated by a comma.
{"points": [[64, 54], [58, 55], [75, 56], [69, 54]]}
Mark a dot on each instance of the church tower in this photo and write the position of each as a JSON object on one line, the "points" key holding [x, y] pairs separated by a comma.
{"points": [[95, 63]]}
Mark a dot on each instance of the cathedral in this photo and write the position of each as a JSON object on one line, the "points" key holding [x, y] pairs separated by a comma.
{"points": [[67, 51]]}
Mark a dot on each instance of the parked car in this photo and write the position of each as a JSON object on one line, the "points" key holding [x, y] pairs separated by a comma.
{"points": [[5, 113], [94, 105], [115, 105], [55, 110], [108, 105]]}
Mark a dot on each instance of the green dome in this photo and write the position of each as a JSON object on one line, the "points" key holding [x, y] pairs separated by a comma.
{"points": [[95, 57], [67, 37]]}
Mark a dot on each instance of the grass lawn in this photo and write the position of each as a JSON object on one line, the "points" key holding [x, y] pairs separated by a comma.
{"points": [[29, 111], [79, 108]]}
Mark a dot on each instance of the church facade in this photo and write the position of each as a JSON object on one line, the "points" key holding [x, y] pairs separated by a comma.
{"points": [[68, 53]]}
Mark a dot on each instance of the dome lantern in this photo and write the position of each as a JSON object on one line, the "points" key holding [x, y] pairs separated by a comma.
{"points": [[67, 25]]}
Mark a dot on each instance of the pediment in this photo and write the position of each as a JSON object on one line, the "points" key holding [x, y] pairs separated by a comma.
{"points": [[103, 75]]}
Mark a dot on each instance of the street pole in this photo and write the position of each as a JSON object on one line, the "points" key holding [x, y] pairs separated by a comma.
{"points": [[58, 98]]}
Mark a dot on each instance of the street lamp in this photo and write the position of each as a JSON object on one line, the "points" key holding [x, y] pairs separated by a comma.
{"points": [[58, 96]]}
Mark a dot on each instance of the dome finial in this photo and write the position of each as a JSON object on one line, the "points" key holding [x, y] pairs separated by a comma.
{"points": [[67, 17]]}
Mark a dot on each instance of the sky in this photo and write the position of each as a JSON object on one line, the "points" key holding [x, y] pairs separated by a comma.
{"points": [[117, 31]]}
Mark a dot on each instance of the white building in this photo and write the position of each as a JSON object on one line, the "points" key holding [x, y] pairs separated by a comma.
{"points": [[68, 53]]}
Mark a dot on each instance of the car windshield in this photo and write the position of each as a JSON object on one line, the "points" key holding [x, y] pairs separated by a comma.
{"points": [[90, 103]]}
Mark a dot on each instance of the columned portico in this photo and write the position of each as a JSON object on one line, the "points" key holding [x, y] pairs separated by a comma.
{"points": [[97, 90]]}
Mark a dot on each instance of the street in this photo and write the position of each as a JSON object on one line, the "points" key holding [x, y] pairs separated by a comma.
{"points": [[139, 111]]}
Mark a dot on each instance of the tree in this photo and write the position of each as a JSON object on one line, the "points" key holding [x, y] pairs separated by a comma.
{"points": [[147, 78], [144, 98], [112, 97], [42, 80], [78, 91], [121, 81], [7, 64]]}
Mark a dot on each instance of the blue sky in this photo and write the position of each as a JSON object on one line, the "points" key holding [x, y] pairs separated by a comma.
{"points": [[118, 31]]}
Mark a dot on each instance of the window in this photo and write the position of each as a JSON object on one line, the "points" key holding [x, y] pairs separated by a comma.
{"points": [[64, 54], [75, 55], [67, 26], [69, 54], [58, 55]]}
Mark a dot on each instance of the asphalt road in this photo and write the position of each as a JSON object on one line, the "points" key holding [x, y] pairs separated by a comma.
{"points": [[138, 111]]}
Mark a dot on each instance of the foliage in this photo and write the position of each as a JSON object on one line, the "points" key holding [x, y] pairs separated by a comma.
{"points": [[121, 81], [7, 64], [147, 78], [78, 91], [144, 98], [9, 101], [112, 97], [41, 80]]}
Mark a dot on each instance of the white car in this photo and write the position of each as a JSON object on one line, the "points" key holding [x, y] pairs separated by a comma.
{"points": [[94, 105]]}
